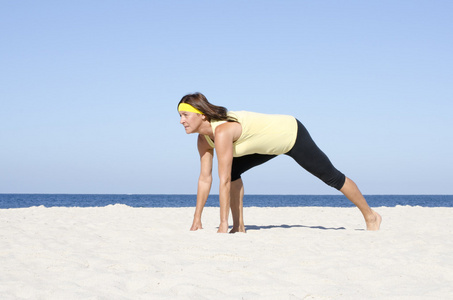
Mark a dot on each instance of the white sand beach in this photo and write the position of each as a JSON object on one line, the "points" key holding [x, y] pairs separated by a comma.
{"points": [[120, 252]]}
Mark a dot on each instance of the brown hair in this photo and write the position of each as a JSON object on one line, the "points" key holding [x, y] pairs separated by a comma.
{"points": [[211, 111]]}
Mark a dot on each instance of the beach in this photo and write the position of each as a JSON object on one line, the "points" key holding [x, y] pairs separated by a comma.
{"points": [[120, 252]]}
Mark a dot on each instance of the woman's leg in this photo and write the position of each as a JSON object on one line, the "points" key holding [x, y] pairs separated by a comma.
{"points": [[236, 204], [240, 165], [308, 155], [352, 192]]}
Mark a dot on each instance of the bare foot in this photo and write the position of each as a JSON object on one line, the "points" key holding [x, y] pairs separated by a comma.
{"points": [[238, 229], [374, 223], [223, 228]]}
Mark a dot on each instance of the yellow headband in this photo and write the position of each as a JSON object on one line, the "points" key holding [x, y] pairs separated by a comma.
{"points": [[189, 108]]}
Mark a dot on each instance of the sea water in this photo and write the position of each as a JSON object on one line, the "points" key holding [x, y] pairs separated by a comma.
{"points": [[99, 200]]}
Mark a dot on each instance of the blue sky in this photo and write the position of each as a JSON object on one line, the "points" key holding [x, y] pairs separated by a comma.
{"points": [[89, 91]]}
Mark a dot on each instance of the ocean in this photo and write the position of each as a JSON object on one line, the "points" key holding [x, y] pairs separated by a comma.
{"points": [[99, 200]]}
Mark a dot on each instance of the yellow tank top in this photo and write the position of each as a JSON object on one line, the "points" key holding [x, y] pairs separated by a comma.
{"points": [[261, 133]]}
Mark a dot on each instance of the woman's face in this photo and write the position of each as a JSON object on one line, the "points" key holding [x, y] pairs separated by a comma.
{"points": [[191, 121]]}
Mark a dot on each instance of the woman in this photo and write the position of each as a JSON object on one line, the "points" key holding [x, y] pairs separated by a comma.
{"points": [[243, 140]]}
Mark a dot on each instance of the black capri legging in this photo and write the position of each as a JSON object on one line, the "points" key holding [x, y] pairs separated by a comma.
{"points": [[304, 152]]}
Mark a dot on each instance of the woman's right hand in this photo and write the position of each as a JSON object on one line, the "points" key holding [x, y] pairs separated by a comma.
{"points": [[196, 225]]}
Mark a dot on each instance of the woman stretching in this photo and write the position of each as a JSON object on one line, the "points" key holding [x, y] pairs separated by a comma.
{"points": [[243, 140]]}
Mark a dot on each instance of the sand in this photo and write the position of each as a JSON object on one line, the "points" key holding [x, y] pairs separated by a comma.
{"points": [[120, 252]]}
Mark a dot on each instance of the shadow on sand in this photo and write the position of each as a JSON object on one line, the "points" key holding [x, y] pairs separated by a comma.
{"points": [[256, 227]]}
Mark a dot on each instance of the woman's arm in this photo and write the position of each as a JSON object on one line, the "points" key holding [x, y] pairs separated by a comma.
{"points": [[204, 181], [225, 135]]}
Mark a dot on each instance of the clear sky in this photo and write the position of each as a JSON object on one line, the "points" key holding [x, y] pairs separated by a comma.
{"points": [[88, 91]]}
